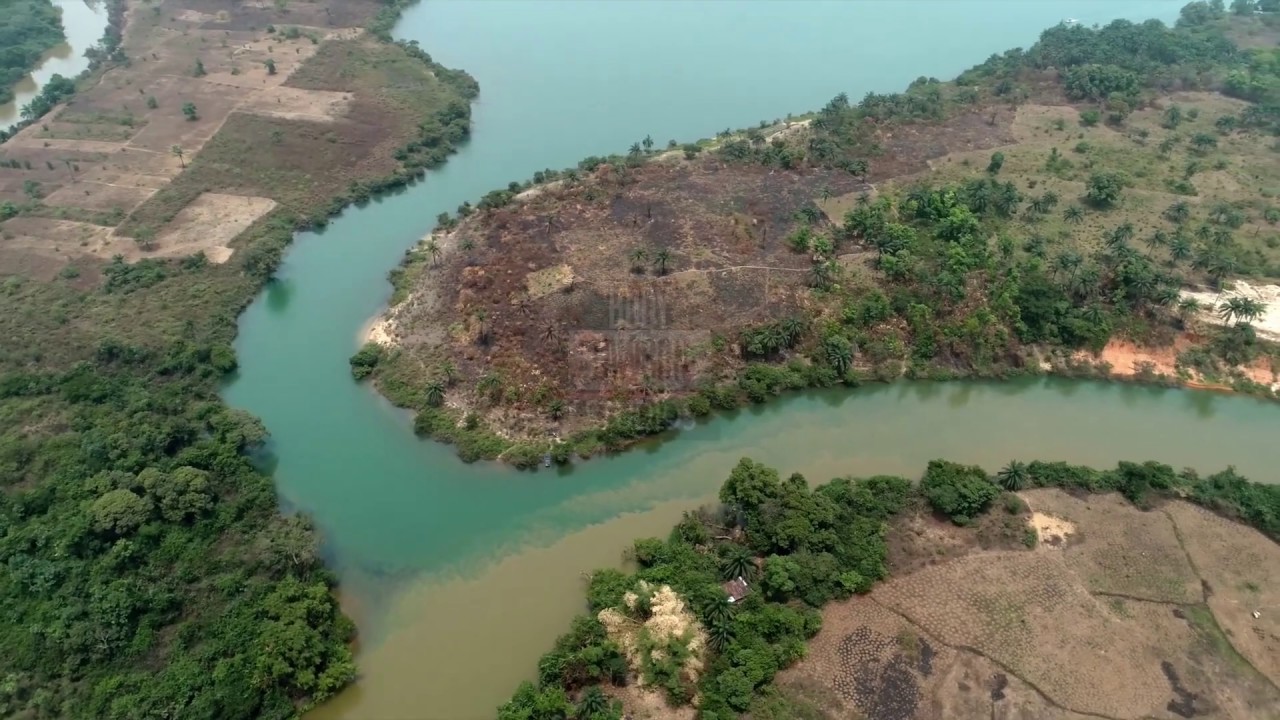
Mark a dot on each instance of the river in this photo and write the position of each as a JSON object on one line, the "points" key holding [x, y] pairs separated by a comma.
{"points": [[460, 576], [83, 22]]}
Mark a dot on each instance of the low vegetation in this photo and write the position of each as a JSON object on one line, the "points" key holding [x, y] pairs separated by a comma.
{"points": [[149, 572], [1021, 219], [799, 548]]}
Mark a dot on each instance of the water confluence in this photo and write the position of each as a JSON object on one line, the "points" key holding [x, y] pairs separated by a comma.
{"points": [[83, 22], [460, 575]]}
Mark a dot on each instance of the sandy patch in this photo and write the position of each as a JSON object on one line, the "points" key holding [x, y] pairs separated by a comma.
{"points": [[1128, 360], [537, 190], [295, 104], [1053, 531], [377, 330], [61, 239], [552, 279], [210, 223], [789, 129], [207, 225], [1268, 326]]}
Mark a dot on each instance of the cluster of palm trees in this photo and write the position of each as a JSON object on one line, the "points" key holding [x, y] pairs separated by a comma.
{"points": [[771, 338], [440, 380], [640, 257], [1240, 309]]}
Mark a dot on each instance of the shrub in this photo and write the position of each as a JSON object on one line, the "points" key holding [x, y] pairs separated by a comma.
{"points": [[961, 492]]}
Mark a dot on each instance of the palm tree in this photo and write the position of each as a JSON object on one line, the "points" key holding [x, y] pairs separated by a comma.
{"points": [[635, 150], [1243, 309], [1178, 212], [551, 332], [1014, 476], [839, 353], [638, 256], [1180, 248], [720, 633], [1068, 261], [434, 394], [1157, 239], [1073, 214], [1188, 307], [660, 259], [177, 150], [433, 249], [737, 562], [593, 704], [488, 385], [448, 371]]}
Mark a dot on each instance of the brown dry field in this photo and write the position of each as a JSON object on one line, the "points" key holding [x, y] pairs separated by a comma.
{"points": [[107, 179], [612, 335], [1086, 626], [604, 336]]}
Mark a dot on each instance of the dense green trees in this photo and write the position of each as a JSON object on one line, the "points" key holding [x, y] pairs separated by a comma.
{"points": [[140, 518], [27, 29], [148, 572]]}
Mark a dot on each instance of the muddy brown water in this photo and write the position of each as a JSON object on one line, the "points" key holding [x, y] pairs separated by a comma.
{"points": [[83, 22], [459, 576]]}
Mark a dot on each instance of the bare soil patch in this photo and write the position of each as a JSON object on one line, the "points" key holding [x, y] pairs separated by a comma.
{"points": [[108, 155], [1119, 550], [1059, 633], [1238, 565]]}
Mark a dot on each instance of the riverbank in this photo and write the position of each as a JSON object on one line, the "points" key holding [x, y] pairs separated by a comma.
{"points": [[1015, 602], [29, 30], [946, 232], [139, 218]]}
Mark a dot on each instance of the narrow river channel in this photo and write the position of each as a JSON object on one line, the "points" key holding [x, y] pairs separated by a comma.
{"points": [[83, 22], [460, 576]]}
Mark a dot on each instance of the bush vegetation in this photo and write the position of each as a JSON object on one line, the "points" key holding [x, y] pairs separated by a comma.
{"points": [[965, 284], [27, 29], [148, 570], [800, 547]]}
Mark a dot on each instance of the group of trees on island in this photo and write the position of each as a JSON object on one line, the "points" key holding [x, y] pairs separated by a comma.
{"points": [[800, 547]]}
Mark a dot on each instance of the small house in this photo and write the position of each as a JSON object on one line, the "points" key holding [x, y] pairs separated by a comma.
{"points": [[736, 589]]}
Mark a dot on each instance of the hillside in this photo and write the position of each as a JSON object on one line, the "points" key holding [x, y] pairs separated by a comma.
{"points": [[1051, 210], [1044, 592]]}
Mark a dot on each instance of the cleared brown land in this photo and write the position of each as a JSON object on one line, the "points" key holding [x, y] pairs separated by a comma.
{"points": [[1028, 635], [617, 330], [544, 297], [297, 136]]}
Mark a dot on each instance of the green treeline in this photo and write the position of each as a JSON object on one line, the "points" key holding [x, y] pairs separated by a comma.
{"points": [[147, 569], [146, 566], [800, 547], [27, 29], [967, 286]]}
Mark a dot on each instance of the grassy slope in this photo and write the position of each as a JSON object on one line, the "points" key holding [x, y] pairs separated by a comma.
{"points": [[911, 313], [148, 570]]}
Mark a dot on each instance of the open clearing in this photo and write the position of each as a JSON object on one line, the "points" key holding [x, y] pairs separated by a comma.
{"points": [[1062, 632], [224, 112]]}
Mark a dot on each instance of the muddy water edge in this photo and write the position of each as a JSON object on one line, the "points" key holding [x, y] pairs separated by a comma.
{"points": [[83, 22], [460, 576]]}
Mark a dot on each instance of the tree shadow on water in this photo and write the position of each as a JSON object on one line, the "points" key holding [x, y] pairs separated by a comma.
{"points": [[279, 294]]}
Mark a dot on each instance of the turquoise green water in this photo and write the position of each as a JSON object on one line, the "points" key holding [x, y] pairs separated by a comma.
{"points": [[442, 562]]}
